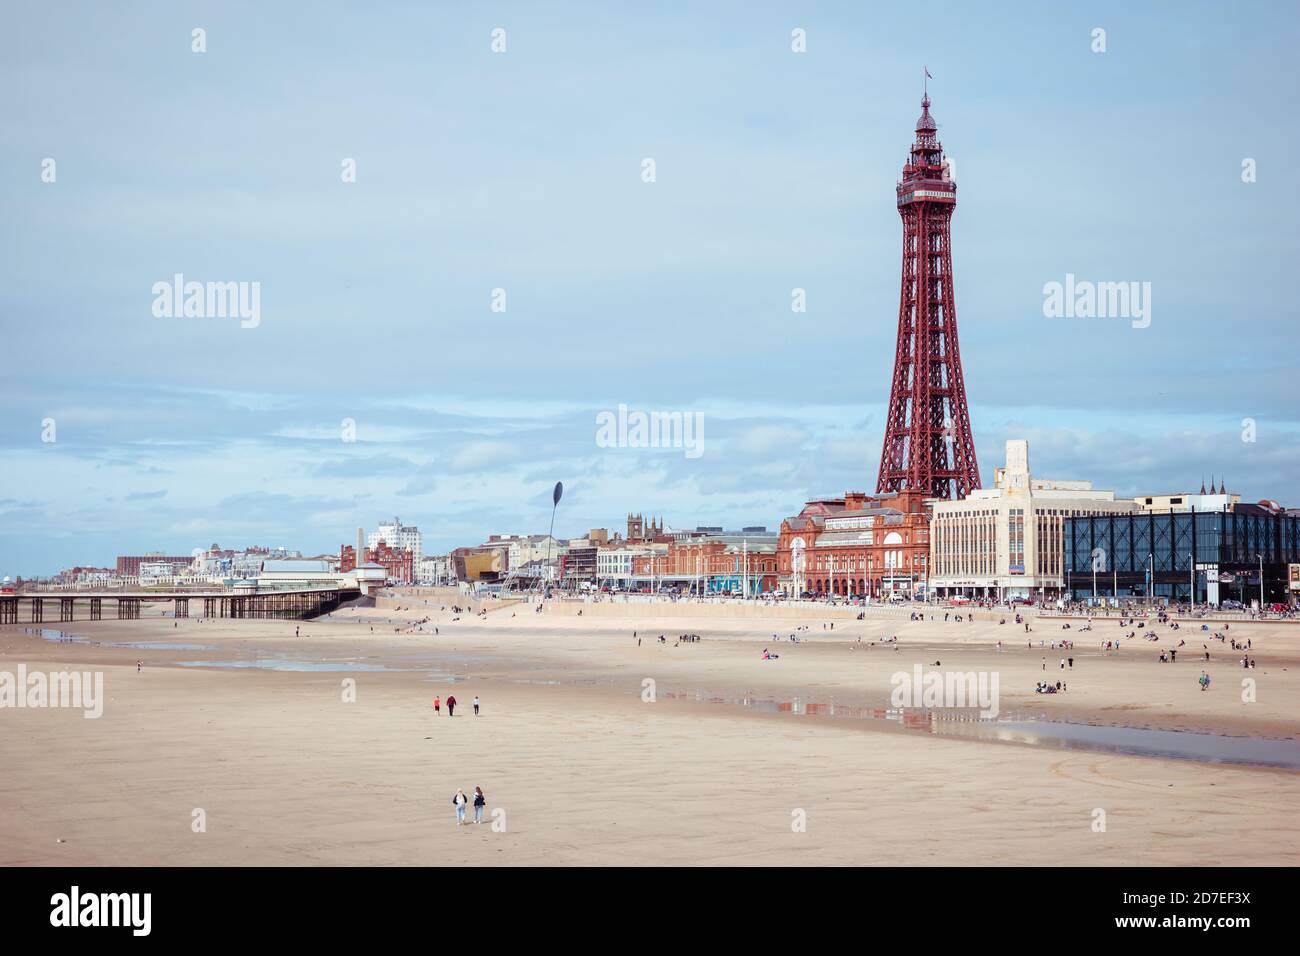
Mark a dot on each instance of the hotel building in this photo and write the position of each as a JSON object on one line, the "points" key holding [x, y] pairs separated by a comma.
{"points": [[397, 535], [1008, 541]]}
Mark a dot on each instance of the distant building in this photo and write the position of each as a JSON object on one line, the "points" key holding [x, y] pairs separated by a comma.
{"points": [[525, 549], [290, 573], [1008, 541], [164, 570], [1213, 500], [479, 564], [714, 561], [616, 563], [578, 565], [86, 577], [435, 570], [397, 535], [857, 546], [1212, 556], [399, 563], [639, 529], [129, 565]]}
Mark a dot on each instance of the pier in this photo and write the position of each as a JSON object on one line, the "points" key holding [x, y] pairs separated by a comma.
{"points": [[289, 604]]}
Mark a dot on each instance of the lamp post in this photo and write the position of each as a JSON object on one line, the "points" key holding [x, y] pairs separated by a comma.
{"points": [[1261, 583], [1151, 580]]}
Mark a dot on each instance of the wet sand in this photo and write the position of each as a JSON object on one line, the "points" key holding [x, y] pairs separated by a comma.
{"points": [[579, 768]]}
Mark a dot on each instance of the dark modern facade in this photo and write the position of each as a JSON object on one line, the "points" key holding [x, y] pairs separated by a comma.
{"points": [[1163, 553]]}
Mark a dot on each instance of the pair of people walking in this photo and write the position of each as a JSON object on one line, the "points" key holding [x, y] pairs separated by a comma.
{"points": [[461, 801]]}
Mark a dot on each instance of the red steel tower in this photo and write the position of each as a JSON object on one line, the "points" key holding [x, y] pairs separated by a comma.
{"points": [[928, 443]]}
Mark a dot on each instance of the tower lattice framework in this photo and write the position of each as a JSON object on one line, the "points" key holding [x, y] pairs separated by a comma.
{"points": [[928, 444]]}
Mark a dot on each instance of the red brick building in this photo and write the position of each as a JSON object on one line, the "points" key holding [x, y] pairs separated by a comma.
{"points": [[858, 545], [398, 562], [718, 562]]}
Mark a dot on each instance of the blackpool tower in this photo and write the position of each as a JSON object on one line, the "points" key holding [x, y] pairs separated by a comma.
{"points": [[928, 444]]}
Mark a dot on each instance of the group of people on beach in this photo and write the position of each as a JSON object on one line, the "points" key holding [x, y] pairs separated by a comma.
{"points": [[451, 705]]}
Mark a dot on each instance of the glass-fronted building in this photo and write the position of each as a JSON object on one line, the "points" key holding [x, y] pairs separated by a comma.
{"points": [[1216, 555]]}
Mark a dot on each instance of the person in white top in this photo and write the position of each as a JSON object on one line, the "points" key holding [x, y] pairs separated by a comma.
{"points": [[460, 800], [475, 705]]}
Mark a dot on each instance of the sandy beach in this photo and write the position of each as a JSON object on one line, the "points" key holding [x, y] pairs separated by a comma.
{"points": [[736, 760]]}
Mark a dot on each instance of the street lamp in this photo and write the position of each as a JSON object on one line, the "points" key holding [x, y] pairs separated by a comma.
{"points": [[1151, 580], [1261, 583]]}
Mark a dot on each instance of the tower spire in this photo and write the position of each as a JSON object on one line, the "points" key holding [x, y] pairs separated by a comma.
{"points": [[928, 445]]}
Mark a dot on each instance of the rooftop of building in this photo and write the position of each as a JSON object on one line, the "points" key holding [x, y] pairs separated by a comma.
{"points": [[295, 565]]}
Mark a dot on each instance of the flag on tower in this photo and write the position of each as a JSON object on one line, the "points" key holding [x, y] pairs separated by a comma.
{"points": [[927, 74]]}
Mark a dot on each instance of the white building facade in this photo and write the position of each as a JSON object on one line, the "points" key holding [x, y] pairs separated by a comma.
{"points": [[614, 564], [397, 535], [1008, 542], [436, 570]]}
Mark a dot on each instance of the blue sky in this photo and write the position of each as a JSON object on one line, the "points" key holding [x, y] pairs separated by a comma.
{"points": [[522, 171]]}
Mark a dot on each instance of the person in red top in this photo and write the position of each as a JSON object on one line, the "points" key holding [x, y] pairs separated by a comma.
{"points": [[437, 705], [451, 706]]}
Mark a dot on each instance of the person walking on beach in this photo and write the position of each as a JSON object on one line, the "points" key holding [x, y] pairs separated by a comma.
{"points": [[460, 800], [451, 706], [480, 802], [437, 705], [476, 706]]}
